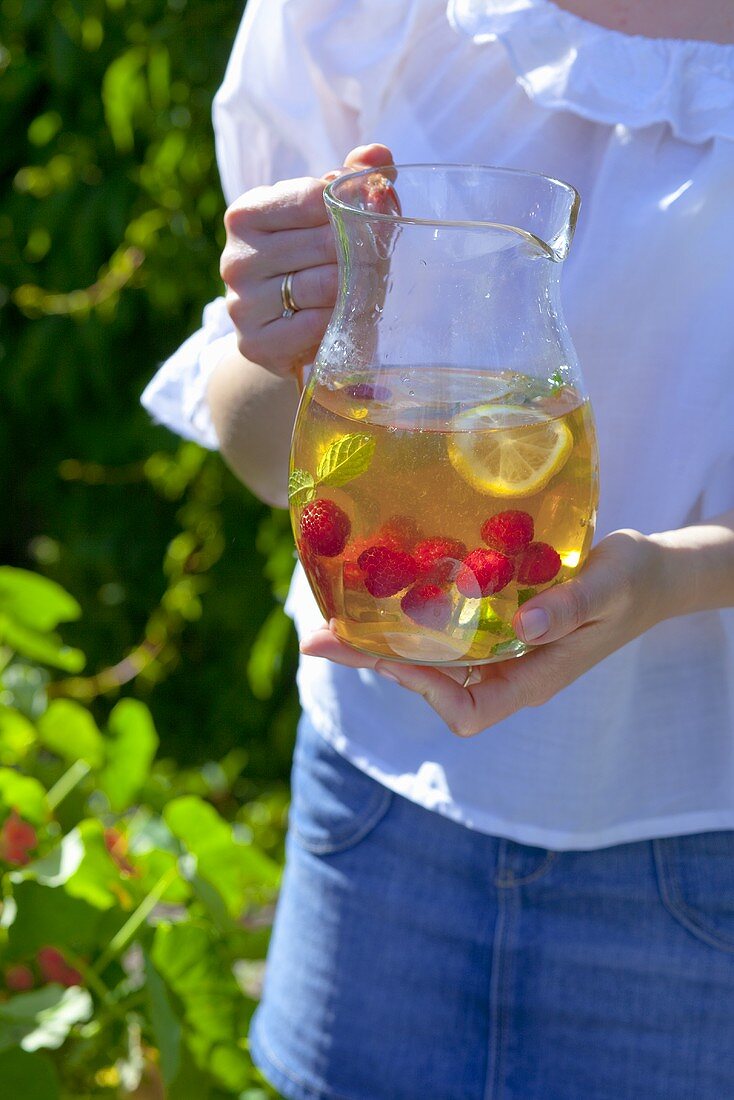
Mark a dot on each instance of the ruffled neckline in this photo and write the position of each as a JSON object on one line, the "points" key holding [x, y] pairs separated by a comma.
{"points": [[565, 62]]}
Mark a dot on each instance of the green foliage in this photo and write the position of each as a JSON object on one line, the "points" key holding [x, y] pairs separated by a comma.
{"points": [[132, 893], [110, 236], [149, 869]]}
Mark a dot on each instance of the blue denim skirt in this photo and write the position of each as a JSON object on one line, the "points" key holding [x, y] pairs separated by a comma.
{"points": [[414, 959]]}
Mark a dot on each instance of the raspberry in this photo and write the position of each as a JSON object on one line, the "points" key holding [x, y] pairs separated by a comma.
{"points": [[399, 532], [19, 979], [484, 572], [387, 571], [537, 564], [380, 197], [325, 528], [352, 577], [365, 391], [510, 532], [17, 840], [428, 605], [436, 559], [54, 968], [319, 573]]}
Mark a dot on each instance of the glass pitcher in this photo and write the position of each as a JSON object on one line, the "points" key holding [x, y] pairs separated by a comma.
{"points": [[443, 465]]}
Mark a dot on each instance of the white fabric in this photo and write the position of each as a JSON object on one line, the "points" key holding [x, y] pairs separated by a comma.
{"points": [[643, 745]]}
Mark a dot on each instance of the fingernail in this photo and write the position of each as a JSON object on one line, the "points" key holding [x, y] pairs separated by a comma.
{"points": [[475, 678], [534, 623]]}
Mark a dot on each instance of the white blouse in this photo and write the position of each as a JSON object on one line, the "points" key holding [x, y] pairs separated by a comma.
{"points": [[643, 744]]}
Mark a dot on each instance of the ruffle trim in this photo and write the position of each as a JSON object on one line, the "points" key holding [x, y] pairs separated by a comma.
{"points": [[567, 63]]}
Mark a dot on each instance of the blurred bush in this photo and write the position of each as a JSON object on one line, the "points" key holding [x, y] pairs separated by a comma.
{"points": [[135, 896], [110, 233]]}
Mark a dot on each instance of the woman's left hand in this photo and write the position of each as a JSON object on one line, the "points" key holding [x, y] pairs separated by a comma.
{"points": [[621, 591]]}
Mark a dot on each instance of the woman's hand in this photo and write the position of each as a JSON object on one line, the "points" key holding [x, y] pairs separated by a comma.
{"points": [[629, 583], [272, 231]]}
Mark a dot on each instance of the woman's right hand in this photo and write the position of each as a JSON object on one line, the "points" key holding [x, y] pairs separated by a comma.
{"points": [[272, 231]]}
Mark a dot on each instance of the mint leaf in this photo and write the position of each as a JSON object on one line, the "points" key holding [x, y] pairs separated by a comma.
{"points": [[346, 458], [301, 488], [556, 381], [525, 594], [511, 648]]}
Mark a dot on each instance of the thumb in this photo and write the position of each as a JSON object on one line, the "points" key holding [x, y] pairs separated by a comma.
{"points": [[617, 572], [556, 612], [373, 155]]}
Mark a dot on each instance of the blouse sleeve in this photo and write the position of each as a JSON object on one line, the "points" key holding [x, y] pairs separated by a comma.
{"points": [[288, 106]]}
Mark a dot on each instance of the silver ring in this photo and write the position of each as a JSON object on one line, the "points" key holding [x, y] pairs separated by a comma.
{"points": [[286, 296]]}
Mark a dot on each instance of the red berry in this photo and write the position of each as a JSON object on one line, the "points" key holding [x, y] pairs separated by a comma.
{"points": [[428, 605], [365, 391], [399, 532], [19, 979], [17, 840], [510, 532], [321, 578], [437, 558], [54, 968], [387, 571], [325, 528], [538, 564], [380, 197], [116, 845], [483, 573]]}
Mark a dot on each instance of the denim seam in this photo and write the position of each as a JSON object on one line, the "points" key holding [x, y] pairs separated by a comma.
{"points": [[676, 906], [313, 1092], [500, 984], [344, 841], [532, 876]]}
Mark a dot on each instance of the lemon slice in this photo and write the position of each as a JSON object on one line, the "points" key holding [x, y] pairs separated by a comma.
{"points": [[508, 451]]}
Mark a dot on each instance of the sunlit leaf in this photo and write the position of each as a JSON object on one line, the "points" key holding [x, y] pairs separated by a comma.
{"points": [[239, 872], [130, 752], [69, 731], [82, 866], [346, 458], [42, 1018], [35, 601], [17, 735], [39, 646], [300, 488], [24, 794], [267, 653]]}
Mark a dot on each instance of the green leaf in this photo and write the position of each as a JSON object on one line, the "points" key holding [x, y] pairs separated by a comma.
{"points": [[80, 864], [166, 1025], [68, 730], [24, 794], [346, 458], [31, 1076], [189, 960], [47, 916], [525, 594], [510, 648], [490, 621], [240, 872], [37, 646], [35, 601], [300, 488], [130, 752], [17, 735], [267, 652], [42, 1018]]}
